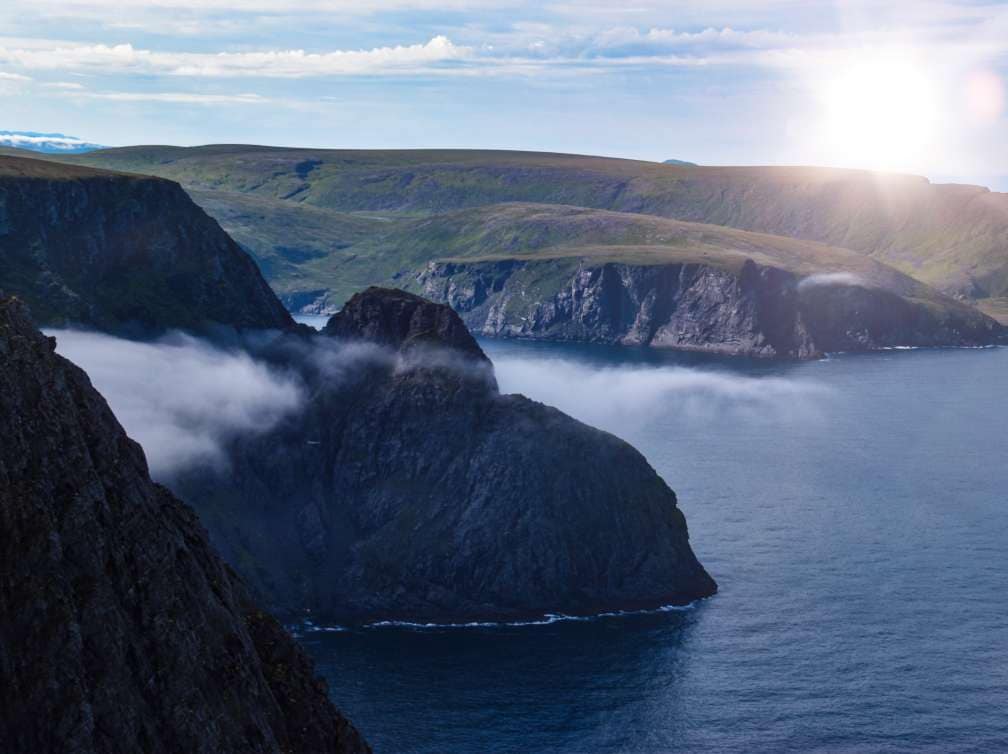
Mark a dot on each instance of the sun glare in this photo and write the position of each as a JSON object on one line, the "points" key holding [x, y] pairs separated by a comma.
{"points": [[879, 114]]}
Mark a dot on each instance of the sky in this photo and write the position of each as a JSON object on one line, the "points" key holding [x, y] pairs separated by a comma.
{"points": [[912, 86]]}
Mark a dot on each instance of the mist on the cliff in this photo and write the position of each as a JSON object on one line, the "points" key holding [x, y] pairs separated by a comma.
{"points": [[621, 398], [180, 397], [830, 278]]}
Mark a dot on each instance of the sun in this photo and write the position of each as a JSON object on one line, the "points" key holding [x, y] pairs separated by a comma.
{"points": [[879, 113]]}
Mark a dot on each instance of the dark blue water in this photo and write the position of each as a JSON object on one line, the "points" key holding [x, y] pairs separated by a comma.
{"points": [[855, 514]]}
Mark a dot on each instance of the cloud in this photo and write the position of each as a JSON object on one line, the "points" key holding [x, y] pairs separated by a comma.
{"points": [[179, 397], [284, 7], [125, 58], [187, 98], [622, 399], [4, 76], [831, 278]]}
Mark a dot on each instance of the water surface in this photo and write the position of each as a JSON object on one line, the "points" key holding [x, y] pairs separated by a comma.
{"points": [[855, 514]]}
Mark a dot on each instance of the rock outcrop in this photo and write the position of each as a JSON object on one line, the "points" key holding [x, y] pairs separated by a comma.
{"points": [[410, 488], [755, 310], [120, 628], [122, 253], [403, 321]]}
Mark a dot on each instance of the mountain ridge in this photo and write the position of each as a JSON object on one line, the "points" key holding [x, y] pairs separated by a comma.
{"points": [[951, 236]]}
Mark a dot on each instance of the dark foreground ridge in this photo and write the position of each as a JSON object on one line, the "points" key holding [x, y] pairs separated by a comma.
{"points": [[120, 252], [120, 628], [410, 488]]}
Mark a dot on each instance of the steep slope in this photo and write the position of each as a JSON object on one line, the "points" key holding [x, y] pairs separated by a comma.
{"points": [[120, 629], [568, 273], [552, 244], [953, 237], [118, 252], [410, 488]]}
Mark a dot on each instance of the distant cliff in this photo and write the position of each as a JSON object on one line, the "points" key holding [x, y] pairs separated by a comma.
{"points": [[743, 309], [120, 628], [116, 252], [952, 237], [410, 488]]}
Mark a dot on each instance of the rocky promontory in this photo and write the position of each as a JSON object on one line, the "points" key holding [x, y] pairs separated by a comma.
{"points": [[738, 308], [410, 488], [121, 630], [123, 253]]}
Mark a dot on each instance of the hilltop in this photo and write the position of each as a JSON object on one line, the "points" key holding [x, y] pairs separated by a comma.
{"points": [[952, 237]]}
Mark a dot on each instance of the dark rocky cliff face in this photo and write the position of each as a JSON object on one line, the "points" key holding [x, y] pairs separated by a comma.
{"points": [[756, 311], [403, 321], [410, 488], [120, 629], [116, 252]]}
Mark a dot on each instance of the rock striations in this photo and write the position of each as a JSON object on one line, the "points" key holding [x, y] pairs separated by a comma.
{"points": [[410, 488], [749, 309], [120, 628], [121, 252]]}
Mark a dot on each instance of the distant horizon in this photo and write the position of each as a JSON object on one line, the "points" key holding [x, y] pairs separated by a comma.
{"points": [[906, 86], [998, 184]]}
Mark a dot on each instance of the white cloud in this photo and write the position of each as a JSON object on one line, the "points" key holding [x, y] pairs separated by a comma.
{"points": [[179, 397], [186, 98], [286, 7], [622, 399], [4, 76], [125, 58]]}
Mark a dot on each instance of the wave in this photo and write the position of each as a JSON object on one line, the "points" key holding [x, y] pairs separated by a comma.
{"points": [[309, 626]]}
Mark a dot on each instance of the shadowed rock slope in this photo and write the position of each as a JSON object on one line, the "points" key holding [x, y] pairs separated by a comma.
{"points": [[410, 488], [122, 252], [120, 629]]}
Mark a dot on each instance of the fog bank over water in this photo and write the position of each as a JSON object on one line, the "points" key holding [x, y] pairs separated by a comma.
{"points": [[621, 398], [181, 397]]}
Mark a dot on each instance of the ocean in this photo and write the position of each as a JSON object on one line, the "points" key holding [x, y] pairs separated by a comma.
{"points": [[854, 512]]}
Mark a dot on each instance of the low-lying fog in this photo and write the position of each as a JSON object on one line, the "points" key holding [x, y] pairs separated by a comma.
{"points": [[181, 397], [622, 398]]}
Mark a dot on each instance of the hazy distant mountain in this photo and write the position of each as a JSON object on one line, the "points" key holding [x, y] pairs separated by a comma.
{"points": [[48, 143], [679, 162]]}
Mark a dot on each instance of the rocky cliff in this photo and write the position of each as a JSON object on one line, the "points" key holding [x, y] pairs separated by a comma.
{"points": [[120, 629], [748, 309], [410, 488], [121, 252], [952, 237]]}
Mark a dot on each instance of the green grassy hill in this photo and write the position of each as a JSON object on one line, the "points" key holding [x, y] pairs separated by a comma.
{"points": [[949, 236], [339, 253]]}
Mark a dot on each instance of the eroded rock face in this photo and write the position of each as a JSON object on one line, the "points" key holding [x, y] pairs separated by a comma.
{"points": [[121, 630], [410, 488], [120, 252], [403, 321], [757, 311]]}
